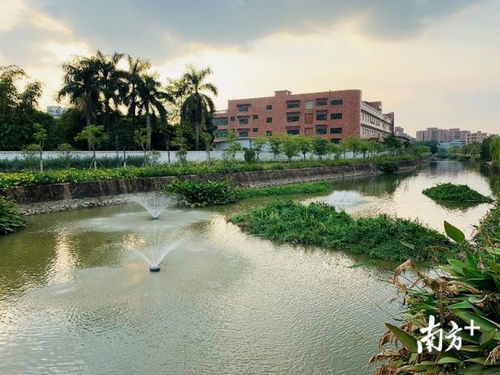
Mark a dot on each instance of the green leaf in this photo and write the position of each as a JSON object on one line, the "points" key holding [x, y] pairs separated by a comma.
{"points": [[406, 339], [446, 360], [484, 323], [487, 337], [453, 232]]}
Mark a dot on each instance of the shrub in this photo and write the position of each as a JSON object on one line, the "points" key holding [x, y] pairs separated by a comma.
{"points": [[388, 166], [201, 194], [321, 225], [10, 219], [455, 193], [466, 289], [249, 155]]}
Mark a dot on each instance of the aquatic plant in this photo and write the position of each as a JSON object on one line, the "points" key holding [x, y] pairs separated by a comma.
{"points": [[10, 218], [465, 292], [201, 194], [302, 188], [322, 225], [455, 193]]}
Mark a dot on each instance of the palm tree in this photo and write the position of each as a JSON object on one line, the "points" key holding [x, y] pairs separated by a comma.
{"points": [[150, 99], [136, 69], [112, 82], [197, 106], [81, 85]]}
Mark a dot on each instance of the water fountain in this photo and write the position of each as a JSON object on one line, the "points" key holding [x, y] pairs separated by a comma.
{"points": [[154, 202], [153, 250], [344, 198]]}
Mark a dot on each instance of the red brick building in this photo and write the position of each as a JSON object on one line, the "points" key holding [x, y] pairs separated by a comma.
{"points": [[331, 114]]}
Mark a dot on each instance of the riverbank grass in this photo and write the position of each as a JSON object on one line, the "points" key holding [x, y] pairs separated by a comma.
{"points": [[456, 193], [10, 219], [301, 188], [317, 224]]}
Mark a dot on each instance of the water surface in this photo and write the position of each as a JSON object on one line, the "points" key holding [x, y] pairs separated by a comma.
{"points": [[76, 299]]}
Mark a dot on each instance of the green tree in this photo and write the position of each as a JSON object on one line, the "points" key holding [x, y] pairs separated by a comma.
{"points": [[141, 138], [151, 99], [275, 145], [197, 106], [352, 144], [319, 146], [94, 135], [40, 135], [257, 145], [365, 147], [392, 143], [232, 146], [495, 149], [82, 86], [304, 145], [336, 150], [65, 152], [18, 110], [290, 146]]}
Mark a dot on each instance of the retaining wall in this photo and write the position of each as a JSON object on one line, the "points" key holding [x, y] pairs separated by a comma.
{"points": [[67, 196]]}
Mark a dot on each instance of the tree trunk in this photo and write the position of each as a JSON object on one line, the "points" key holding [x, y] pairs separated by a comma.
{"points": [[41, 160], [148, 129], [124, 158], [197, 135]]}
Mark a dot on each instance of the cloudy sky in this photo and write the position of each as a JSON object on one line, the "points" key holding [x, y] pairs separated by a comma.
{"points": [[433, 62]]}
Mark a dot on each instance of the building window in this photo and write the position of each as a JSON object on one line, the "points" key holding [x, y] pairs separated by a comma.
{"points": [[269, 133], [321, 116], [321, 101], [335, 130], [255, 130], [292, 117], [220, 121], [320, 130], [255, 117], [243, 120], [309, 105], [243, 133], [269, 120], [293, 104], [293, 131], [221, 134], [243, 107], [232, 118], [269, 106], [335, 140], [336, 116], [336, 102]]}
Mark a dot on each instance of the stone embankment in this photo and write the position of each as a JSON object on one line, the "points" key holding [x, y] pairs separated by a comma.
{"points": [[70, 196]]}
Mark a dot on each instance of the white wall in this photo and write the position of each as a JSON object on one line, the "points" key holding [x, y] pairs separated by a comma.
{"points": [[192, 156]]}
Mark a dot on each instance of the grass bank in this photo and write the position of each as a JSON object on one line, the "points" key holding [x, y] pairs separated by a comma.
{"points": [[321, 225], [302, 188], [8, 180], [10, 219], [456, 193]]}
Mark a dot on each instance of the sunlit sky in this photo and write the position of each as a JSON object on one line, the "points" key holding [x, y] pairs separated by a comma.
{"points": [[432, 62]]}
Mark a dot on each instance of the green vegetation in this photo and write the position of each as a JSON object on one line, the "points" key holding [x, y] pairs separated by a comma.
{"points": [[321, 225], [201, 194], [465, 289], [302, 188], [10, 219], [388, 166], [489, 231], [8, 180], [455, 193]]}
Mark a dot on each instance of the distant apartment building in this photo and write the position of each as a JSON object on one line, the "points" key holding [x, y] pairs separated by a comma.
{"points": [[400, 132], [434, 134], [476, 137], [330, 114], [56, 110], [452, 137]]}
